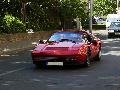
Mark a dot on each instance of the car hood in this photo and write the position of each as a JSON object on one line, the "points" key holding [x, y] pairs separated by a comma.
{"points": [[58, 46]]}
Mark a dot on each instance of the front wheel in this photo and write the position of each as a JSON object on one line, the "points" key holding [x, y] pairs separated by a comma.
{"points": [[98, 56], [110, 35], [87, 62]]}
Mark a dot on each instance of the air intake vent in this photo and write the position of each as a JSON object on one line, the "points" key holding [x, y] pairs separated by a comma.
{"points": [[56, 48]]}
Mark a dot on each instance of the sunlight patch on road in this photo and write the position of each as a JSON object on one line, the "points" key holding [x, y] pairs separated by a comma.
{"points": [[20, 62], [36, 80], [7, 55], [51, 85], [6, 83], [80, 75], [109, 77], [112, 84], [6, 49], [108, 40], [115, 53], [12, 71], [109, 47], [111, 40]]}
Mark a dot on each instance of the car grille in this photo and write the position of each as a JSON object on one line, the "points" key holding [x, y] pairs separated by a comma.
{"points": [[53, 58]]}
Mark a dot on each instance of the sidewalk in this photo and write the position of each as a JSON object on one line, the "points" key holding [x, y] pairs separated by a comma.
{"points": [[17, 46]]}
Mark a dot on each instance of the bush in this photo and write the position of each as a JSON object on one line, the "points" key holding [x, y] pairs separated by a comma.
{"points": [[96, 27], [12, 24]]}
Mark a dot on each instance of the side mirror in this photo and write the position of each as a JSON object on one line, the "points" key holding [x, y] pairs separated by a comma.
{"points": [[94, 42], [41, 41]]}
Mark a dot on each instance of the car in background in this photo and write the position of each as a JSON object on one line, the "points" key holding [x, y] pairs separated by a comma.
{"points": [[101, 21], [67, 48], [114, 29], [112, 18]]}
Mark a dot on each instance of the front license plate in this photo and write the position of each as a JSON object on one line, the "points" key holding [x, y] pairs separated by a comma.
{"points": [[55, 63]]}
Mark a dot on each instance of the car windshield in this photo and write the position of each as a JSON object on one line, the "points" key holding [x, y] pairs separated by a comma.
{"points": [[66, 36], [116, 24]]}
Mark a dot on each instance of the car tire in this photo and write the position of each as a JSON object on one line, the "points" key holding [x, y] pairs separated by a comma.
{"points": [[98, 56], [37, 65], [40, 65], [110, 35]]}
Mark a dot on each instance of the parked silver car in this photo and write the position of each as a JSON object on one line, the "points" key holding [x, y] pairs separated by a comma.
{"points": [[114, 29]]}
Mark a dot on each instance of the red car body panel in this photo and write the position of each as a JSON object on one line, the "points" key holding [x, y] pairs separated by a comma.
{"points": [[60, 49]]}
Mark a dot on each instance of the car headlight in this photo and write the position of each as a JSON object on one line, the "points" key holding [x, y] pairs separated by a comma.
{"points": [[110, 30]]}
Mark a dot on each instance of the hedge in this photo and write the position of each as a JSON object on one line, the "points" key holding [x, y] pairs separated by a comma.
{"points": [[96, 27]]}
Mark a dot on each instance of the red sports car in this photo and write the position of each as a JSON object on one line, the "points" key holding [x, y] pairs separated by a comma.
{"points": [[67, 48]]}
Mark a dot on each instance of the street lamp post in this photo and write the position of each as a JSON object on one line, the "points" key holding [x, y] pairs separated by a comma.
{"points": [[23, 10], [117, 4]]}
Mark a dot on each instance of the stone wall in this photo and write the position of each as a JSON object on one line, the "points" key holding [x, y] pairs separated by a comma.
{"points": [[6, 38]]}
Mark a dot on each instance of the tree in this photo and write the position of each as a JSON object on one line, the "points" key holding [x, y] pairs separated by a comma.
{"points": [[10, 16], [52, 14], [104, 7], [43, 14], [10, 6], [72, 9]]}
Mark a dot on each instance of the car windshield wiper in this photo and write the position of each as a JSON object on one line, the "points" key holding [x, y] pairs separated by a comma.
{"points": [[62, 40]]}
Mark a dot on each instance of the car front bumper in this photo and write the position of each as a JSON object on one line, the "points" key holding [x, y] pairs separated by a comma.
{"points": [[113, 32], [59, 60]]}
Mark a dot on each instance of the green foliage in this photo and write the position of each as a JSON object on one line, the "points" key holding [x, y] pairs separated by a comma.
{"points": [[13, 7], [43, 14], [54, 14], [96, 27], [72, 9], [104, 7], [12, 24]]}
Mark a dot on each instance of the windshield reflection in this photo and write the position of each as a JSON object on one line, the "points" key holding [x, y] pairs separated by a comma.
{"points": [[66, 36]]}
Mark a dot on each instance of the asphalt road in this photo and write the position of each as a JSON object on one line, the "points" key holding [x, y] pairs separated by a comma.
{"points": [[18, 73]]}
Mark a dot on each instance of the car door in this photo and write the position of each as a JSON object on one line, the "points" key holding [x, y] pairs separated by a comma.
{"points": [[88, 40], [93, 45]]}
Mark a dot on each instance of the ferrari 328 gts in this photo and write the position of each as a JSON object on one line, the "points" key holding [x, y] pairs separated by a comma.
{"points": [[67, 48]]}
